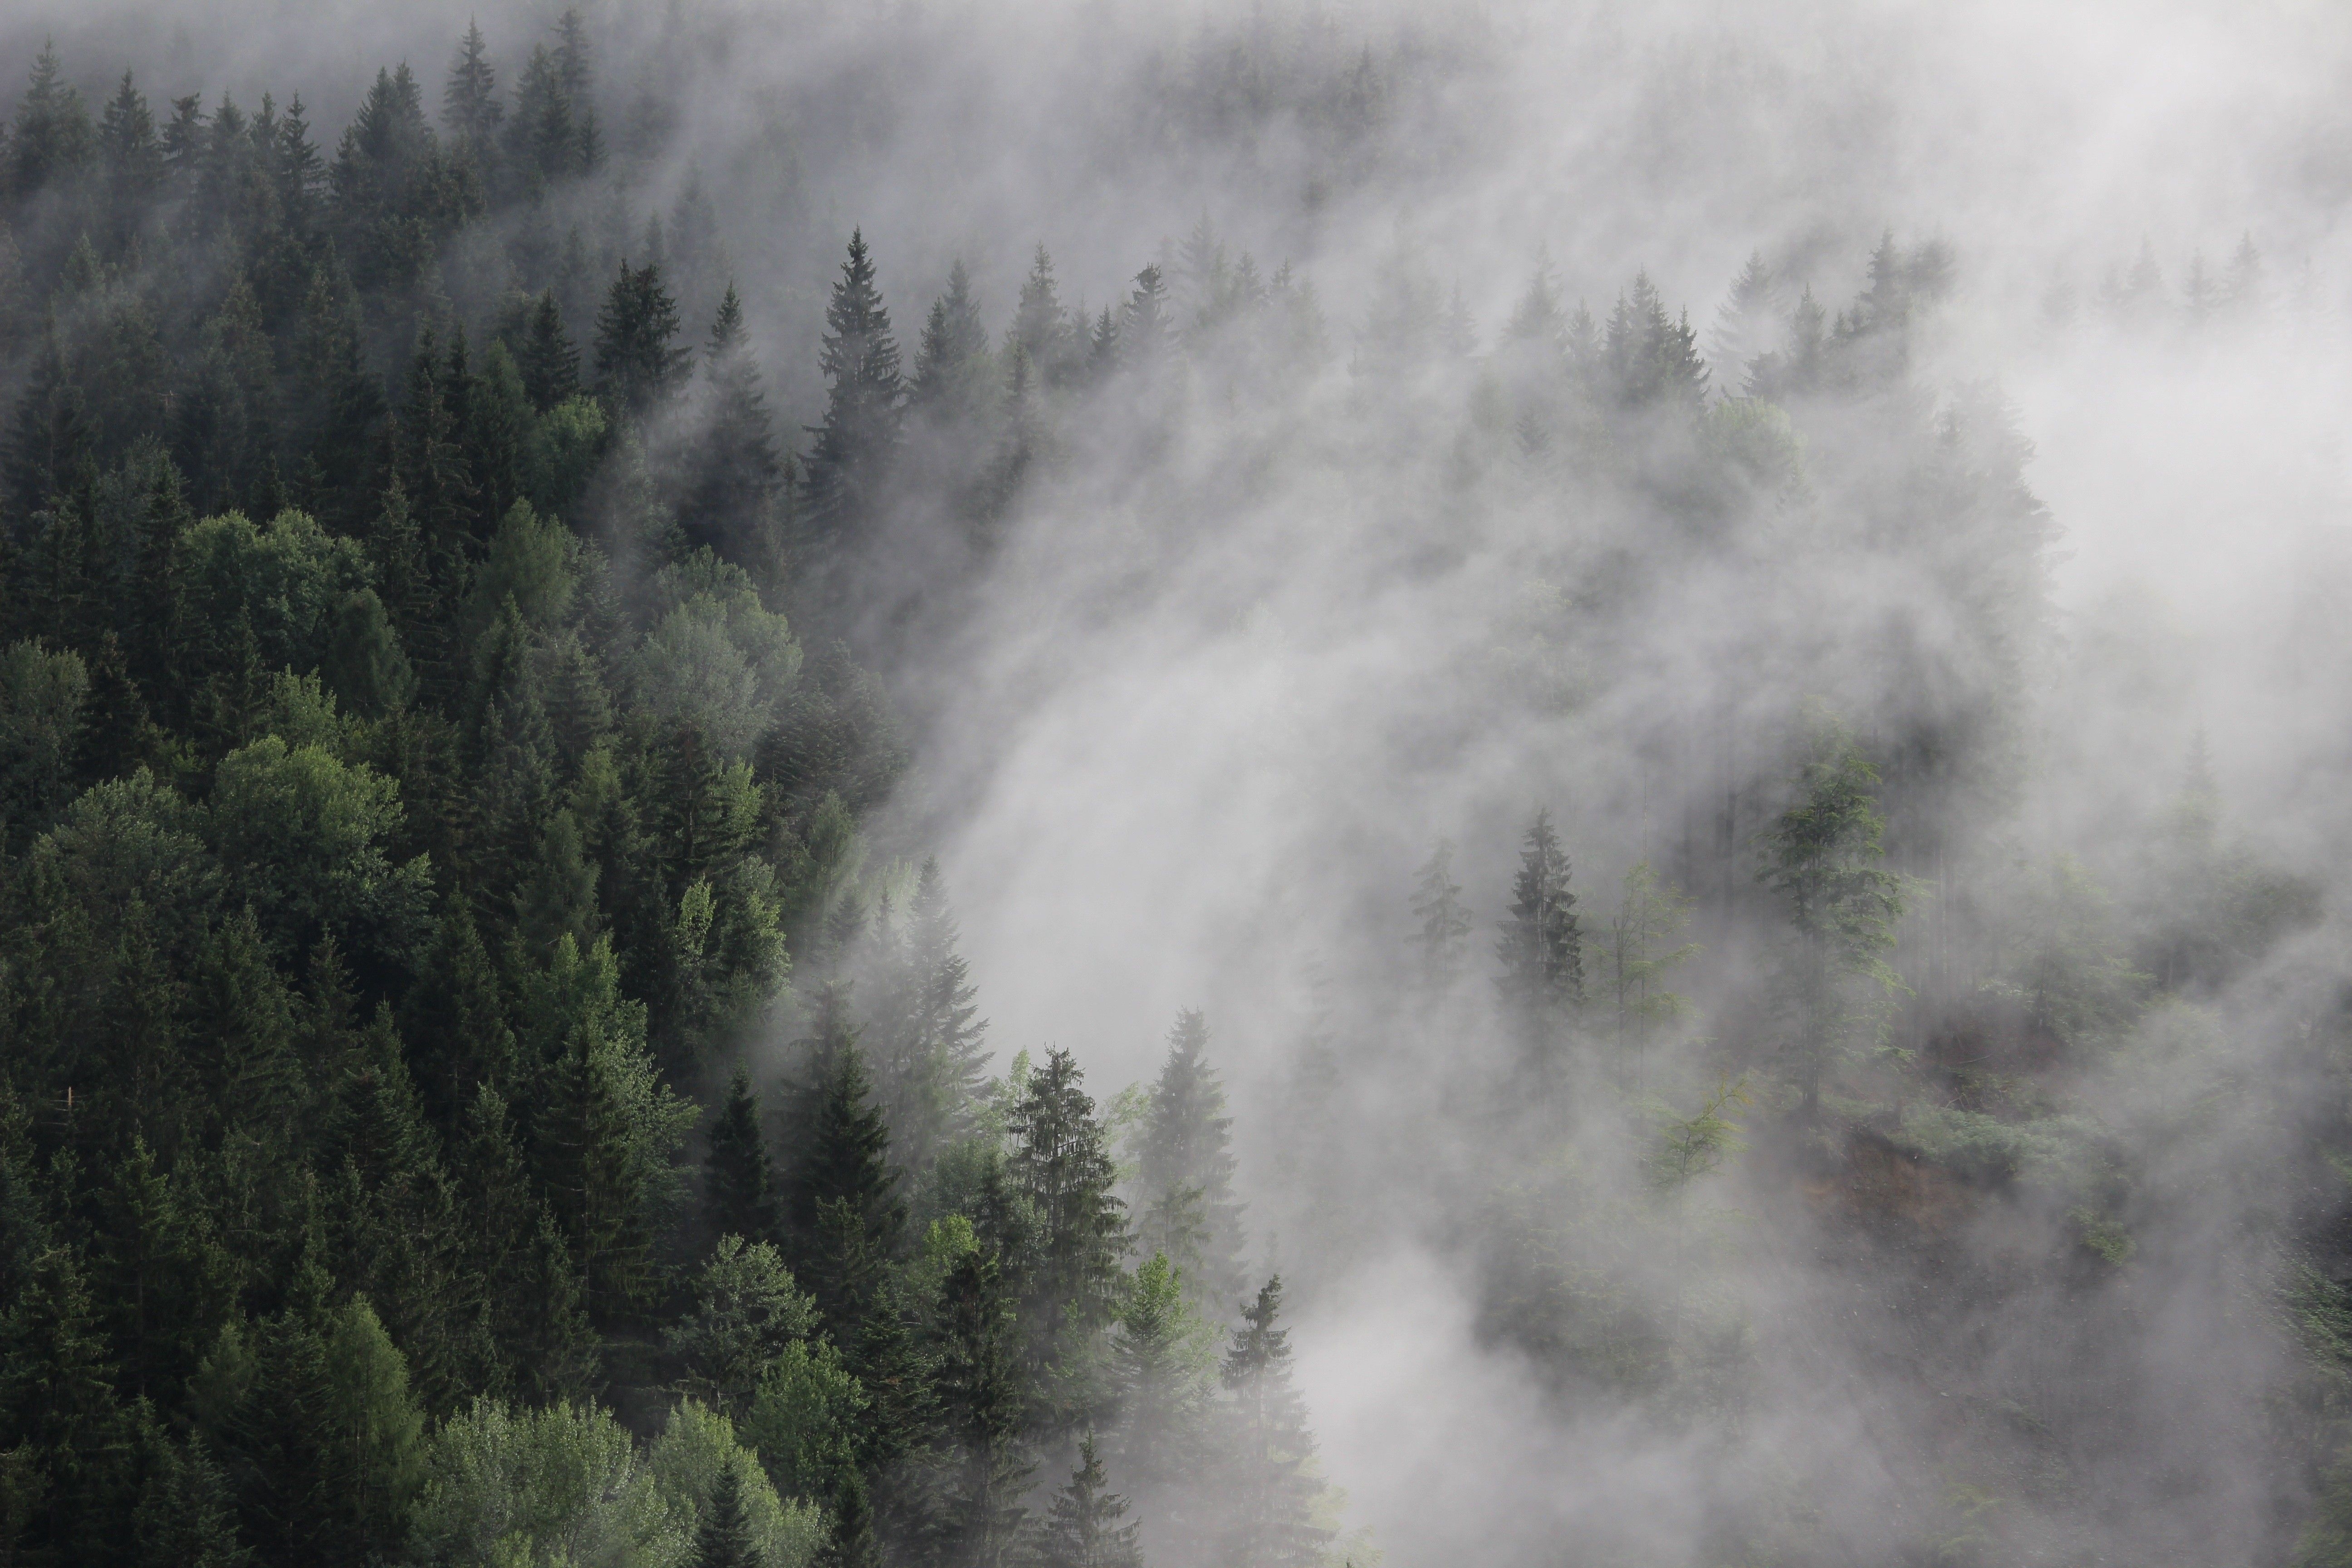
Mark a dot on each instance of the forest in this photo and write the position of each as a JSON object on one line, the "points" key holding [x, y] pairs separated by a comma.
{"points": [[507, 674]]}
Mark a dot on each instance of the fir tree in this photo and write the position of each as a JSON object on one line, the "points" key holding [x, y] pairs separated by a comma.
{"points": [[1444, 935], [724, 1537], [951, 368], [1060, 1165], [738, 472], [739, 1184], [1272, 1491], [841, 1198], [1184, 1170], [469, 104], [1041, 329], [1542, 949], [1082, 1530], [546, 357], [1747, 323], [860, 364], [637, 362], [982, 1405]]}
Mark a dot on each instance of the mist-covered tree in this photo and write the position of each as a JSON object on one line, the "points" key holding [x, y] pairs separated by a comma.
{"points": [[953, 374], [1748, 324], [1082, 1528], [738, 1183], [1443, 937], [737, 475], [1542, 951], [1059, 1163], [638, 359], [1271, 1489], [853, 447], [1821, 856], [1184, 1172]]}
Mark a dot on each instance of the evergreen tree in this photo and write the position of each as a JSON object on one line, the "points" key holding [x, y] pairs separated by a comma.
{"points": [[548, 360], [738, 1183], [1082, 1530], [469, 104], [1041, 331], [1145, 327], [952, 363], [841, 1199], [1820, 855], [1059, 1164], [1272, 1490], [638, 365], [936, 1057], [1747, 323], [1444, 935], [1184, 1170], [723, 1537], [982, 1405], [1542, 950], [51, 140], [738, 474], [860, 364]]}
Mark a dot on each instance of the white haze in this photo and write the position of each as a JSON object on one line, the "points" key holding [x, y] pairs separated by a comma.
{"points": [[1177, 755]]}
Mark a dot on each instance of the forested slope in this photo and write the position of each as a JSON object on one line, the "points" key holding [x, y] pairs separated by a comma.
{"points": [[491, 1072]]}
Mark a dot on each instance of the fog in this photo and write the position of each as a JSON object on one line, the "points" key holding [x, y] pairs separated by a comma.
{"points": [[1246, 647]]}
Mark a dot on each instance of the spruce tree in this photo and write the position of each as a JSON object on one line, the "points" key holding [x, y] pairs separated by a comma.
{"points": [[951, 368], [469, 104], [841, 1198], [637, 362], [937, 1058], [739, 1184], [1747, 323], [1443, 937], [1082, 1528], [1184, 1172], [724, 1537], [1041, 328], [548, 362], [1059, 1163], [736, 473], [982, 1407], [1272, 1491], [1146, 328], [1542, 950], [860, 364]]}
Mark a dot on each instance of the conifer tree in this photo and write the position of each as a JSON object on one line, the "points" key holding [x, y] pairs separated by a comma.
{"points": [[723, 1537], [1541, 948], [1822, 857], [982, 1403], [469, 104], [1747, 324], [51, 138], [739, 1180], [1650, 914], [952, 367], [1272, 1490], [1041, 329], [738, 471], [1145, 327], [860, 364], [1444, 935], [1184, 1170], [841, 1199], [1060, 1165], [937, 1058], [548, 362], [637, 362], [1082, 1528]]}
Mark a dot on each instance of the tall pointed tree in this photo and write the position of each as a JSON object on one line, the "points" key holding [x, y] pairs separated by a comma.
{"points": [[1184, 1172], [1542, 951], [851, 457]]}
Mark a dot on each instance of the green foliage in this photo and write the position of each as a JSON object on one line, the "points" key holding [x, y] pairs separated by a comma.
{"points": [[746, 1312]]}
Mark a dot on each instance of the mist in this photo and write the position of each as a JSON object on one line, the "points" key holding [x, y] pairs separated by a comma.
{"points": [[1945, 716]]}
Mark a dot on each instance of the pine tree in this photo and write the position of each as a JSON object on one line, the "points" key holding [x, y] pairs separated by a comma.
{"points": [[51, 140], [982, 1403], [952, 365], [1444, 935], [2244, 290], [739, 1184], [469, 104], [841, 1198], [1041, 329], [1542, 950], [860, 363], [1747, 323], [1272, 1491], [737, 473], [548, 362], [723, 1537], [637, 363], [936, 1058], [1082, 1530], [132, 156], [1060, 1165], [1146, 328], [1184, 1170], [1161, 1360], [1822, 857]]}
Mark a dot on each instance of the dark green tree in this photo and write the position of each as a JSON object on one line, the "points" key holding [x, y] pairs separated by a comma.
{"points": [[738, 1183], [1542, 950], [639, 364], [852, 448], [1082, 1528]]}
